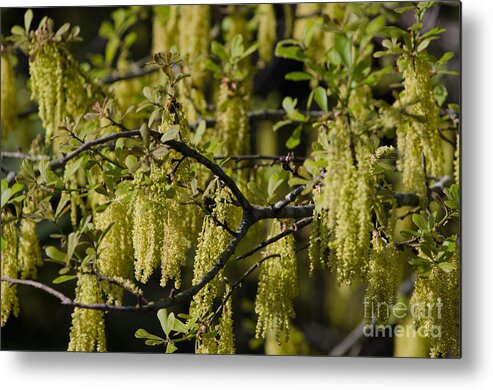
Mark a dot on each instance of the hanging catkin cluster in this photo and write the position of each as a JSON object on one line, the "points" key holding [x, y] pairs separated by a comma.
{"points": [[159, 231], [29, 250], [212, 241], [232, 119], [57, 84], [383, 281], [186, 29], [309, 24], [29, 255], [87, 330], [165, 30], [115, 251], [419, 139], [457, 160], [9, 112], [343, 216], [267, 34], [10, 302], [224, 342], [277, 288], [436, 310]]}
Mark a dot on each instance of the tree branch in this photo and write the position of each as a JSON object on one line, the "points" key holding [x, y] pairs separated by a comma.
{"points": [[66, 301], [295, 227]]}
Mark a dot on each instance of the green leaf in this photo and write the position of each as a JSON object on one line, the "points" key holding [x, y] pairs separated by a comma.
{"points": [[6, 196], [376, 25], [218, 50], [320, 96], [255, 190], [290, 52], [343, 47], [298, 76], [403, 10], [280, 124], [274, 183], [171, 133], [17, 30], [55, 254], [447, 267], [144, 334], [170, 348], [289, 105], [170, 324], [162, 316], [440, 93], [111, 49], [199, 133], [295, 138], [64, 199], [64, 278], [180, 326], [28, 18], [71, 169], [409, 234], [153, 343], [420, 222], [62, 30]]}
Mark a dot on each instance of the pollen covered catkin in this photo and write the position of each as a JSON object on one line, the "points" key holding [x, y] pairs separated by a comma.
{"points": [[435, 306], [226, 342], [213, 239], [30, 256], [10, 302], [232, 119], [343, 206], [418, 140], [383, 281], [267, 33], [8, 107], [165, 27], [58, 85], [115, 251], [277, 288], [87, 330]]}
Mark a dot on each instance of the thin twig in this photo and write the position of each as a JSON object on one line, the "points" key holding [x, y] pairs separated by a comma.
{"points": [[66, 301], [295, 227]]}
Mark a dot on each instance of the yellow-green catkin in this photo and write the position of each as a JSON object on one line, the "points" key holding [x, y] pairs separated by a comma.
{"points": [[206, 344], [165, 30], [267, 32], [343, 206], [30, 256], [10, 302], [147, 234], [226, 342], [160, 232], [87, 330], [457, 160], [212, 241], [277, 288], [194, 41], [435, 306], [58, 85], [383, 281], [115, 251], [232, 127], [8, 107], [308, 27], [418, 140]]}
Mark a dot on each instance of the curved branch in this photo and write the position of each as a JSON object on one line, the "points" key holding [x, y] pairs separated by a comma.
{"points": [[66, 301], [294, 227]]}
